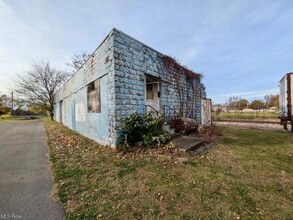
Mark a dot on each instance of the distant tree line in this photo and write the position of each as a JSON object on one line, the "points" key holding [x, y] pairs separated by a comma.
{"points": [[20, 107], [38, 85], [238, 103]]}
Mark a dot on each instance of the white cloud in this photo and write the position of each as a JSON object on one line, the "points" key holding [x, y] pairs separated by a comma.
{"points": [[208, 36], [251, 93], [21, 43]]}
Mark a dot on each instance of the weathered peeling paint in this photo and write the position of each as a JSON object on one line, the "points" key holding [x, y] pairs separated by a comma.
{"points": [[133, 60], [121, 63], [74, 96]]}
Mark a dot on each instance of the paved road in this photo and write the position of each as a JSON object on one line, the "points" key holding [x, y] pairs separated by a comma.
{"points": [[25, 179]]}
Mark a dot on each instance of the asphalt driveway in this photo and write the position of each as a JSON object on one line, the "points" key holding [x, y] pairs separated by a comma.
{"points": [[25, 179]]}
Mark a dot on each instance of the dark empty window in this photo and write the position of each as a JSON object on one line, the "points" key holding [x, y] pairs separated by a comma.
{"points": [[150, 92], [93, 96]]}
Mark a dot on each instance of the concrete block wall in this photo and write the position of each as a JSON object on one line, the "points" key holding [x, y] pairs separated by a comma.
{"points": [[97, 126], [132, 60], [121, 63]]}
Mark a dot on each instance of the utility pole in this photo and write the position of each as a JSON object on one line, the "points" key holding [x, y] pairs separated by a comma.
{"points": [[11, 103]]}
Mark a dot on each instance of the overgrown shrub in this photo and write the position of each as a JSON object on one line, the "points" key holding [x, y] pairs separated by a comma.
{"points": [[141, 128], [21, 112], [209, 134], [6, 116], [4, 110]]}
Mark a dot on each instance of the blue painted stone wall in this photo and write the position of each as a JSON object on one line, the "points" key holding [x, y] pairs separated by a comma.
{"points": [[121, 62], [132, 60], [97, 126]]}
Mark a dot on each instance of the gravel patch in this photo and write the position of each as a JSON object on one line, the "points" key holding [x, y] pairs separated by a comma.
{"points": [[251, 125]]}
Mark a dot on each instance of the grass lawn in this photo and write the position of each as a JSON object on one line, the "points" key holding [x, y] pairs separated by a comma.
{"points": [[247, 175], [246, 115], [2, 121]]}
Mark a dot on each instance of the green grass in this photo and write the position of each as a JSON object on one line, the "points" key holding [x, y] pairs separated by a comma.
{"points": [[246, 115], [247, 175]]}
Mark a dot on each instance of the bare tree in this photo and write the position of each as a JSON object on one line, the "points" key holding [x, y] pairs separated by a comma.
{"points": [[271, 101], [233, 103], [39, 84], [78, 60]]}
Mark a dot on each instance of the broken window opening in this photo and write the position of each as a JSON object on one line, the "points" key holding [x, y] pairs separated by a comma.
{"points": [[93, 96]]}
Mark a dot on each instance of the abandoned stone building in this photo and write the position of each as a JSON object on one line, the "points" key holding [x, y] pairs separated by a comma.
{"points": [[123, 76]]}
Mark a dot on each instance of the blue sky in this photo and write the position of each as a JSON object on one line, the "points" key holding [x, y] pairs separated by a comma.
{"points": [[242, 47]]}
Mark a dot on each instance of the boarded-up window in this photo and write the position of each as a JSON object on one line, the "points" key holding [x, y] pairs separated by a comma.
{"points": [[150, 92], [93, 96]]}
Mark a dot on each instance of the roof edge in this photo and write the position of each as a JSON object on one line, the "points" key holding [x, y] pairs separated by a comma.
{"points": [[92, 55], [160, 53]]}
